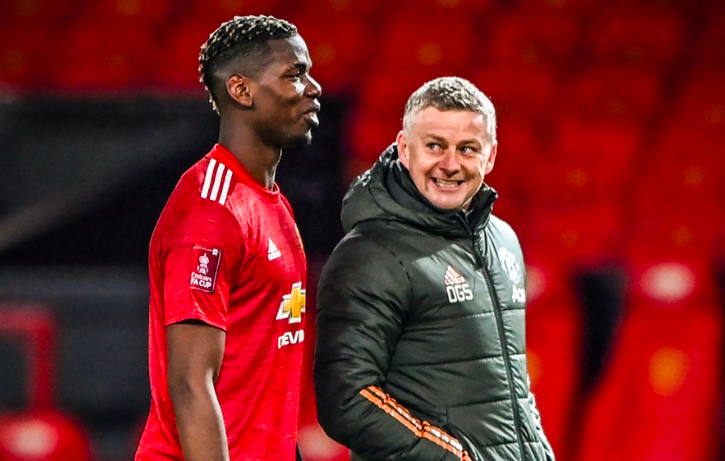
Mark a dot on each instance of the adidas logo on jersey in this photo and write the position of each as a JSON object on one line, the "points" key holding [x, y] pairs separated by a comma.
{"points": [[457, 287], [216, 182], [273, 252]]}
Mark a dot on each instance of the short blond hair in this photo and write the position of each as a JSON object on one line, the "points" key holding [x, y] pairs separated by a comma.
{"points": [[450, 93]]}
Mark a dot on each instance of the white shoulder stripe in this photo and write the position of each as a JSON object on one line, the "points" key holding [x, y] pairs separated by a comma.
{"points": [[217, 182], [207, 178], [225, 189]]}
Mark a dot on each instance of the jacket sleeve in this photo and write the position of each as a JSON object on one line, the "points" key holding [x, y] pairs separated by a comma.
{"points": [[363, 300], [538, 426]]}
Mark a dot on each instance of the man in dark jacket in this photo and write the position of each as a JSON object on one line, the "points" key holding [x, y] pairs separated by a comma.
{"points": [[420, 351]]}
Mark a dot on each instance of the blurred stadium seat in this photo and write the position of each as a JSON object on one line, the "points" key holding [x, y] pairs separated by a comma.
{"points": [[655, 403], [709, 54], [588, 161], [607, 92], [103, 56], [38, 432], [573, 237], [176, 69], [520, 90], [339, 51], [620, 38], [522, 37], [553, 347], [40, 12]]}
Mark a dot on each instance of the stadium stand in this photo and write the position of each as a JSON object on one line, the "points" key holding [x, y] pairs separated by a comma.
{"points": [[611, 122]]}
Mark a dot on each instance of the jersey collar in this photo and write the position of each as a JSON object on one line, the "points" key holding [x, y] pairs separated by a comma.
{"points": [[223, 154]]}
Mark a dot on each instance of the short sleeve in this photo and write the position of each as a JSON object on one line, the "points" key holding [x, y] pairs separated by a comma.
{"points": [[201, 257]]}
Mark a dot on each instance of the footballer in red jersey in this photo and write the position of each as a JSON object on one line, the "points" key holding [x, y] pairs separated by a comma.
{"points": [[227, 267]]}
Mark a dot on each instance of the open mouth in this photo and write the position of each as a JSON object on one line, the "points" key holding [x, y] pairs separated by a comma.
{"points": [[311, 117], [446, 184]]}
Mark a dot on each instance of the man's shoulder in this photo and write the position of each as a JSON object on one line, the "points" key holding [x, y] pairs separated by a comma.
{"points": [[498, 225], [199, 201], [375, 235]]}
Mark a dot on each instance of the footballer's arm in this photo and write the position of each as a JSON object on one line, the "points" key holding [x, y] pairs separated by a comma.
{"points": [[195, 353]]}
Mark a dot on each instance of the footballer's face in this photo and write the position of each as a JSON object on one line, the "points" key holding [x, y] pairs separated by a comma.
{"points": [[447, 153], [285, 96]]}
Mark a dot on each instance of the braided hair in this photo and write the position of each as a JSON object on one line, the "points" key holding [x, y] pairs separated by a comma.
{"points": [[243, 37]]}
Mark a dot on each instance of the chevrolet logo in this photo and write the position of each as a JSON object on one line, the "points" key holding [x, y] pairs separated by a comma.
{"points": [[293, 304]]}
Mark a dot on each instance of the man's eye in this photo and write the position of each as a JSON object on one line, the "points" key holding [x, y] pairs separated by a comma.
{"points": [[433, 146]]}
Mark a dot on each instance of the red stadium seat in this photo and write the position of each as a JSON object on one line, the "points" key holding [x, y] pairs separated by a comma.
{"points": [[24, 57], [649, 39], [41, 12], [686, 160], [520, 90], [342, 9], [377, 118], [588, 161], [101, 56], [553, 337], [214, 12], [702, 107], [338, 51], [42, 436], [39, 432], [675, 180], [656, 401], [370, 131], [569, 7], [524, 38], [177, 67], [689, 232], [709, 53], [609, 92], [436, 8], [522, 146], [405, 48], [573, 236], [128, 12]]}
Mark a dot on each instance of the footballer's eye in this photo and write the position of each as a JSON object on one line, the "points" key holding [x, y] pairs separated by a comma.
{"points": [[433, 146]]}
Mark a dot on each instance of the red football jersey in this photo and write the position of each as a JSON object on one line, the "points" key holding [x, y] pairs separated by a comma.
{"points": [[226, 251]]}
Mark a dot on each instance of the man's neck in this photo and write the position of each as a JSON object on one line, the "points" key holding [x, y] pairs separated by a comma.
{"points": [[258, 158]]}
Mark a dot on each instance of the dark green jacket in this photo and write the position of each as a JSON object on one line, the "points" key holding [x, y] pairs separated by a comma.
{"points": [[420, 351]]}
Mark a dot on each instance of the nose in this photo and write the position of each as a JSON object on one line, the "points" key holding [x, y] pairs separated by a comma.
{"points": [[314, 90], [449, 162]]}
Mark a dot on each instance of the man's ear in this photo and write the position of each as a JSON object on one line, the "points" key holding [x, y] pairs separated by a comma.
{"points": [[403, 149], [491, 158], [238, 88]]}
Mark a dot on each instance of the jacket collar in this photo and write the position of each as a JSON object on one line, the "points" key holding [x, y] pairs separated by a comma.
{"points": [[387, 191]]}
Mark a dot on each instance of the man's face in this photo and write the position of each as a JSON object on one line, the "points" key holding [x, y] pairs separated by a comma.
{"points": [[447, 153], [285, 95]]}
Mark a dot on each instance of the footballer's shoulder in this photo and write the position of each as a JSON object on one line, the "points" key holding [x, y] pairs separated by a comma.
{"points": [[213, 180]]}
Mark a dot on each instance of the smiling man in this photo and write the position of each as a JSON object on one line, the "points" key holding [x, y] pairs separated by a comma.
{"points": [[226, 263], [420, 351]]}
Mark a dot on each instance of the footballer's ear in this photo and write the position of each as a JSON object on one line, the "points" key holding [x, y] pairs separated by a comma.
{"points": [[403, 154], [239, 89]]}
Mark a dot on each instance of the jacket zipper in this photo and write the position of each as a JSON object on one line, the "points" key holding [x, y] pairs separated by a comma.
{"points": [[504, 344]]}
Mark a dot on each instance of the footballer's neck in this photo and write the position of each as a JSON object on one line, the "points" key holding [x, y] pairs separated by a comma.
{"points": [[257, 157]]}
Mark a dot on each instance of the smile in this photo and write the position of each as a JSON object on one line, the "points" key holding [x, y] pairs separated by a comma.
{"points": [[446, 184]]}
